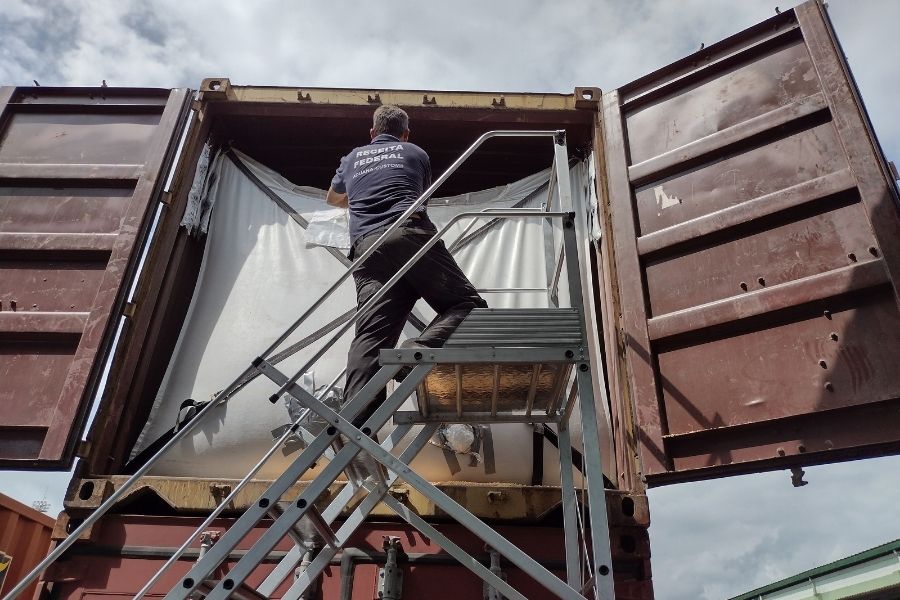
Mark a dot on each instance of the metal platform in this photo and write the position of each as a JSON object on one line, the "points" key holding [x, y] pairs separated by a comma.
{"points": [[515, 367]]}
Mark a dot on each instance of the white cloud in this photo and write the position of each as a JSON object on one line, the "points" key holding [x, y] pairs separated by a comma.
{"points": [[716, 539]]}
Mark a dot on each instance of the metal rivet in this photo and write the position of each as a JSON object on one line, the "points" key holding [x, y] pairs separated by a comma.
{"points": [[583, 367], [822, 363], [852, 257], [781, 452], [301, 503], [762, 281], [873, 250], [417, 356], [829, 386], [834, 336], [744, 286]]}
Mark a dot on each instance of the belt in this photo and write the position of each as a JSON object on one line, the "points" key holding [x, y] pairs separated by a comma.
{"points": [[416, 217]]}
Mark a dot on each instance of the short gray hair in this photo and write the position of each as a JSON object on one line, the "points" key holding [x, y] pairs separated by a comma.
{"points": [[390, 119]]}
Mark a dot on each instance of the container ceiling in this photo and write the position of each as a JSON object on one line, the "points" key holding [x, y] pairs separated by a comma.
{"points": [[305, 143]]}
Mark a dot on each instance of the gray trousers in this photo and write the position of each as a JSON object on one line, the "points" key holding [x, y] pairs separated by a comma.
{"points": [[435, 277]]}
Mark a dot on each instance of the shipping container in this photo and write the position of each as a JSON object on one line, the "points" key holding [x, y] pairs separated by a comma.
{"points": [[24, 541], [745, 283]]}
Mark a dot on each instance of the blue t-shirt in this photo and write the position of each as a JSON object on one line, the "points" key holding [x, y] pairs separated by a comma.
{"points": [[381, 180]]}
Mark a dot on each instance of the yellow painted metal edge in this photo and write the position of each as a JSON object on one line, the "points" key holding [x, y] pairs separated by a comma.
{"points": [[500, 501], [221, 89]]}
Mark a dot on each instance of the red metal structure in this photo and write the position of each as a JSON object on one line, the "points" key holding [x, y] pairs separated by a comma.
{"points": [[24, 540]]}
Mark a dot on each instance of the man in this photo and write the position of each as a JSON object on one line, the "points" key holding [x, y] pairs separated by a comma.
{"points": [[378, 182]]}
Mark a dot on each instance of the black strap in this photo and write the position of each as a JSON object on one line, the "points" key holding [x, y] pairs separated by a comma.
{"points": [[577, 458], [186, 413], [537, 455]]}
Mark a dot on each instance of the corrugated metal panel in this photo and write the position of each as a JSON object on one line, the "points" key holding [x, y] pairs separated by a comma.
{"points": [[757, 247], [25, 539], [79, 171]]}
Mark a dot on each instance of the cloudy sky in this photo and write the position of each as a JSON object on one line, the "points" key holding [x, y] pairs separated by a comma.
{"points": [[710, 540]]}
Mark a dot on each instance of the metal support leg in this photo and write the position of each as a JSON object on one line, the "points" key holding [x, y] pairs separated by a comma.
{"points": [[278, 530], [440, 499], [569, 506], [593, 471], [353, 521], [202, 569], [287, 564], [576, 261]]}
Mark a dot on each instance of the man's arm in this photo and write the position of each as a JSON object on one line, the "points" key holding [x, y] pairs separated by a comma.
{"points": [[336, 199]]}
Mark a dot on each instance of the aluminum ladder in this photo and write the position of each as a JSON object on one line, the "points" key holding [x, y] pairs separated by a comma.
{"points": [[511, 366]]}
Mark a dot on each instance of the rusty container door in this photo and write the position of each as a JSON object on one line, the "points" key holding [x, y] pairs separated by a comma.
{"points": [[757, 246], [80, 171], [24, 542]]}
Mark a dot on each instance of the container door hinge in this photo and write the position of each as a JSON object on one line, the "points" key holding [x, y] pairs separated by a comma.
{"points": [[390, 578], [489, 592], [83, 449]]}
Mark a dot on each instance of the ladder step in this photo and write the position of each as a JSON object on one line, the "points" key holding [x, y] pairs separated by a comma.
{"points": [[518, 327]]}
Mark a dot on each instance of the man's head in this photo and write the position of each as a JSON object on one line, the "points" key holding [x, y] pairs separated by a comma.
{"points": [[392, 120]]}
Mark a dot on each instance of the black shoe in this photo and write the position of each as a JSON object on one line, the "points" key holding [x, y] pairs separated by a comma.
{"points": [[405, 370]]}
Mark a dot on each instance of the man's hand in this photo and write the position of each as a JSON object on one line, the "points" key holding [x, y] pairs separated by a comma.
{"points": [[335, 199]]}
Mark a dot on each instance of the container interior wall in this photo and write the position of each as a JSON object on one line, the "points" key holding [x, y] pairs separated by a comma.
{"points": [[304, 143], [261, 268]]}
